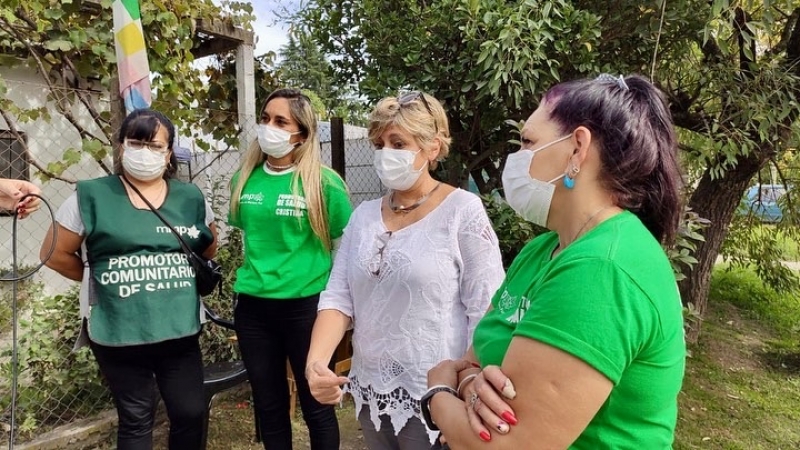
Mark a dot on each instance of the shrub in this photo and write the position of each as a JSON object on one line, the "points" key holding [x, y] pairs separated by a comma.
{"points": [[56, 384]]}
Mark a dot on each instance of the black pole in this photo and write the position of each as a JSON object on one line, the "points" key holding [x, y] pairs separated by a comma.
{"points": [[337, 145]]}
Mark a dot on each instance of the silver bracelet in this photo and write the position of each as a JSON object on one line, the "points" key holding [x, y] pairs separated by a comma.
{"points": [[464, 382]]}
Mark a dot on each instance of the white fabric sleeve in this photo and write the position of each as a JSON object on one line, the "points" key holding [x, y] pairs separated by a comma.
{"points": [[69, 215], [482, 264], [209, 212], [337, 293]]}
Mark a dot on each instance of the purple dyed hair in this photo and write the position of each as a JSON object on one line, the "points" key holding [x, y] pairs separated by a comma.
{"points": [[637, 143]]}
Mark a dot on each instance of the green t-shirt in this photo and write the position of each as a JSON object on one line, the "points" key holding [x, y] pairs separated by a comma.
{"points": [[610, 299], [283, 258]]}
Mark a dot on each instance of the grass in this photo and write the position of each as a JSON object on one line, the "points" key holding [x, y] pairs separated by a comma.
{"points": [[741, 386]]}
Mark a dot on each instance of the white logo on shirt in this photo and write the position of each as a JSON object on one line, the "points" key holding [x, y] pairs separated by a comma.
{"points": [[512, 308], [251, 199], [193, 232], [290, 205]]}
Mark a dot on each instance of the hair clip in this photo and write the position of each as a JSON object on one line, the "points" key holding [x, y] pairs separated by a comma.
{"points": [[619, 81]]}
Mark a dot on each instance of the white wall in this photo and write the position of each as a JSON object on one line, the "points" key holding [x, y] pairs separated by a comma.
{"points": [[47, 140]]}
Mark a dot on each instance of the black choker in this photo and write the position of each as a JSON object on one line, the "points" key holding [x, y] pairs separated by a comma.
{"points": [[415, 205]]}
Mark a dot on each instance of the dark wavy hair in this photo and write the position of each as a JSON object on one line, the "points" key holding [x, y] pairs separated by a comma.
{"points": [[638, 148], [142, 125]]}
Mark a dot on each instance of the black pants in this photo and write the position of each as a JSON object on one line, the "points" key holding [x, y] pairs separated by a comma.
{"points": [[269, 331], [133, 373]]}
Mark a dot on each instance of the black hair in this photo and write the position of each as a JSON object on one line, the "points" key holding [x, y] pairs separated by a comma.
{"points": [[142, 125], [638, 147]]}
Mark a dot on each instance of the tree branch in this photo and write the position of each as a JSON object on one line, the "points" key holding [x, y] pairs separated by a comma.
{"points": [[59, 100], [740, 24], [786, 34], [82, 96], [18, 136], [793, 45]]}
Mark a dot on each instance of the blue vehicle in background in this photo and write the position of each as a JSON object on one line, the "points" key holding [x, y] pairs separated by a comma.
{"points": [[763, 201]]}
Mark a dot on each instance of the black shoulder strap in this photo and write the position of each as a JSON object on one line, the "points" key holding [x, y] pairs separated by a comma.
{"points": [[184, 246]]}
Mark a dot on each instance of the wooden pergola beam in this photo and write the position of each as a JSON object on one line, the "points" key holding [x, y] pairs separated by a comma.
{"points": [[212, 36]]}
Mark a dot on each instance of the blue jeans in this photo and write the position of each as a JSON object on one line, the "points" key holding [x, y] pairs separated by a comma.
{"points": [[133, 372], [269, 332]]}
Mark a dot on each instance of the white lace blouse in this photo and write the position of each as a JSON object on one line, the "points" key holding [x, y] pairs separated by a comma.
{"points": [[414, 295]]}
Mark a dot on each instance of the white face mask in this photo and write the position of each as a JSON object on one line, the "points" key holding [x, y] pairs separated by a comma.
{"points": [[529, 197], [396, 168], [274, 141], [143, 164]]}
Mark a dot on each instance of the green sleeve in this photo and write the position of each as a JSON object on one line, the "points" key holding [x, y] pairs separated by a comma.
{"points": [[337, 201], [591, 309]]}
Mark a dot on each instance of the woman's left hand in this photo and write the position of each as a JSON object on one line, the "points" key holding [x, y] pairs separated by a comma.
{"points": [[486, 405], [446, 372]]}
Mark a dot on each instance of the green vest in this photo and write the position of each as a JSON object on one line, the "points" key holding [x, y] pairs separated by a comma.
{"points": [[142, 288]]}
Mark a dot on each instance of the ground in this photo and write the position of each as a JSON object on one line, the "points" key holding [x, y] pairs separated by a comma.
{"points": [[741, 390]]}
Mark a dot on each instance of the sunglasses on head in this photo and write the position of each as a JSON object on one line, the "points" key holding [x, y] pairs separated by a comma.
{"points": [[411, 97]]}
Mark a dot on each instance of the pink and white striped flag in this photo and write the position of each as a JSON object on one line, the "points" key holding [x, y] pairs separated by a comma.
{"points": [[132, 65]]}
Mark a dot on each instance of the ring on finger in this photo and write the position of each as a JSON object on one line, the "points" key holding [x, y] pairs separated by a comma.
{"points": [[473, 399]]}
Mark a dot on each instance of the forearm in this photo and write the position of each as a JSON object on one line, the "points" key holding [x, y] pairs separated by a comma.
{"points": [[211, 250], [450, 415], [329, 328], [69, 265]]}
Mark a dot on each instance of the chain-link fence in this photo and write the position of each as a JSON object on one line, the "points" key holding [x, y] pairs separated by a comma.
{"points": [[58, 385]]}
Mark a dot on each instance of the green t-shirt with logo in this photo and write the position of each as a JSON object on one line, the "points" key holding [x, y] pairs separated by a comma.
{"points": [[283, 258], [610, 299], [142, 287]]}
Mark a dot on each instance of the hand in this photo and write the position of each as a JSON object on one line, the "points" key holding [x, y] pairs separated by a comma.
{"points": [[11, 191], [446, 372], [325, 385], [486, 407]]}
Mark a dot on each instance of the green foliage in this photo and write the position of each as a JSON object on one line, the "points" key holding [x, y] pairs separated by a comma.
{"points": [[487, 61], [216, 342], [222, 102], [513, 232], [764, 248], [490, 61], [71, 46], [27, 290], [681, 255], [57, 384], [303, 66]]}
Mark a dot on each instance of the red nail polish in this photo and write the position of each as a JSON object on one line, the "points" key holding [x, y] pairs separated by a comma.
{"points": [[509, 417], [486, 436]]}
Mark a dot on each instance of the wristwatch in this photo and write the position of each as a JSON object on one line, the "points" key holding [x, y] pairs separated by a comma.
{"points": [[425, 401]]}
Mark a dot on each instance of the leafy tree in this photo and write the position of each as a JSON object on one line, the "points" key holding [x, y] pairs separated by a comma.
{"points": [[304, 66], [490, 60], [222, 102], [70, 45], [480, 58]]}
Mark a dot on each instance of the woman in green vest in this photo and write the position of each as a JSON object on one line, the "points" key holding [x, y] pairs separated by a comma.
{"points": [[583, 347], [139, 302], [293, 211]]}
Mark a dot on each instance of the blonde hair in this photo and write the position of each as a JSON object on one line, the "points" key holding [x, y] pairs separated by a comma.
{"points": [[306, 158], [413, 117]]}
